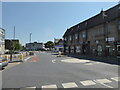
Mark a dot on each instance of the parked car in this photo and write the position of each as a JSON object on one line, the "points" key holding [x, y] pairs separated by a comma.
{"points": [[3, 62]]}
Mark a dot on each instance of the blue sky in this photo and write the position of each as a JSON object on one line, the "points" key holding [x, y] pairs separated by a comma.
{"points": [[46, 20]]}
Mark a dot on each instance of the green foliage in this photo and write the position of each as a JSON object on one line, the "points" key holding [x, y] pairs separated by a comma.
{"points": [[49, 44], [16, 46]]}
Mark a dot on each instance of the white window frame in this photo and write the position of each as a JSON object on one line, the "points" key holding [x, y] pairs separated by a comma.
{"points": [[119, 25], [76, 35], [83, 34], [77, 49], [118, 48], [70, 37]]}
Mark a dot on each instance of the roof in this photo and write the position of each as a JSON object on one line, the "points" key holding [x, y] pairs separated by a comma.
{"points": [[111, 13]]}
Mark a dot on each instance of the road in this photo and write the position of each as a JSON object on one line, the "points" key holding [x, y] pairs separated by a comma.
{"points": [[45, 70]]}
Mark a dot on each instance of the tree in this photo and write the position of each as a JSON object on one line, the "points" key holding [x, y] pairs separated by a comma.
{"points": [[49, 45], [17, 46]]}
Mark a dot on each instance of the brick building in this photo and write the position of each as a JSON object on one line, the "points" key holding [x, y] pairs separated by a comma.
{"points": [[58, 45], [98, 35]]}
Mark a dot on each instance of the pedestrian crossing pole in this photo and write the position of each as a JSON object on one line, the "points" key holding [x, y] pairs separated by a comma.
{"points": [[14, 33]]}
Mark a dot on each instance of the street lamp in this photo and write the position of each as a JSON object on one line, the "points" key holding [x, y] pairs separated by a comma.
{"points": [[30, 40], [105, 32], [11, 47]]}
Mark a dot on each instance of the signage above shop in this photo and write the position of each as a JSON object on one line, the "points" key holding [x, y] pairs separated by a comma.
{"points": [[110, 39]]}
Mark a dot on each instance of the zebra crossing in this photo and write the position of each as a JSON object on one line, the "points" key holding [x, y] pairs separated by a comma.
{"points": [[69, 85], [85, 83]]}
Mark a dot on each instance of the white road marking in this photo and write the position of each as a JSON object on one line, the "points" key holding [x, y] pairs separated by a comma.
{"points": [[28, 88], [103, 81], [75, 61], [53, 61], [27, 59], [49, 86], [89, 64], [116, 79], [92, 63], [97, 62], [87, 82], [69, 85], [106, 85]]}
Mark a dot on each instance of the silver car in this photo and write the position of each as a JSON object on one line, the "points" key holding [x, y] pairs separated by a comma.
{"points": [[3, 62]]}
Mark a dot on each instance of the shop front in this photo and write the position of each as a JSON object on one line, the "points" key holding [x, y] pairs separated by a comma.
{"points": [[118, 49]]}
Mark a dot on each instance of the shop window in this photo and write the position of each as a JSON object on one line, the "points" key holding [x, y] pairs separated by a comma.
{"points": [[70, 38], [119, 25], [118, 48], [76, 36], [83, 34], [77, 49], [66, 49], [72, 49]]}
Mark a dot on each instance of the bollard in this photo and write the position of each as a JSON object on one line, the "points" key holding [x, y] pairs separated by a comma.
{"points": [[21, 57]]}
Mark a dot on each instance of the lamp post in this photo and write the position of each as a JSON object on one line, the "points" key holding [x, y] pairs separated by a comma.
{"points": [[11, 47], [105, 33], [30, 40]]}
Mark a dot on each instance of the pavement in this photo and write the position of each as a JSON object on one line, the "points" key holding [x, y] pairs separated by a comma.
{"points": [[16, 61], [108, 59], [47, 70]]}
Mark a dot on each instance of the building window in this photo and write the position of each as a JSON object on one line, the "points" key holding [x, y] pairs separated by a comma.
{"points": [[83, 34], [67, 49], [119, 25], [72, 49], [76, 36], [77, 49], [118, 48], [70, 38]]}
